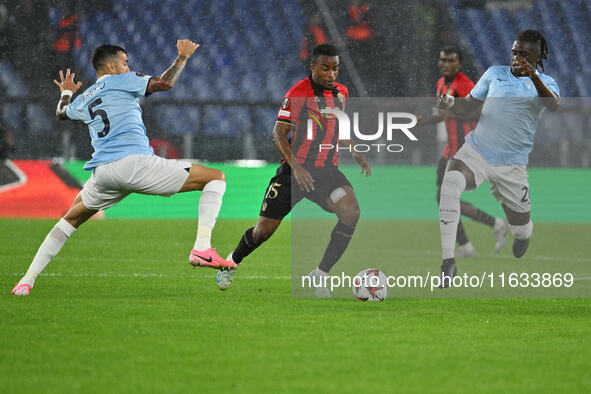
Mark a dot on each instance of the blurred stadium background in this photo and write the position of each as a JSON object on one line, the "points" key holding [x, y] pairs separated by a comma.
{"points": [[120, 311], [253, 51]]}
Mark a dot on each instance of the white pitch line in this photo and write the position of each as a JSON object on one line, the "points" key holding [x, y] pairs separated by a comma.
{"points": [[155, 275], [139, 275]]}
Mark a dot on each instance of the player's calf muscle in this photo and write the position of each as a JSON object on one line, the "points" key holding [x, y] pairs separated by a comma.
{"points": [[264, 229], [516, 218]]}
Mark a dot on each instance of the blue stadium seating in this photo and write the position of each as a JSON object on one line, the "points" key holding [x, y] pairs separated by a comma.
{"points": [[249, 52], [20, 115], [489, 32]]}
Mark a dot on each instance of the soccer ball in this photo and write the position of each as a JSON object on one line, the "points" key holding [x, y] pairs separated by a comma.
{"points": [[370, 285]]}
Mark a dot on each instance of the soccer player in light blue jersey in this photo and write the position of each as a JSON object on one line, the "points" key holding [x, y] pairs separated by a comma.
{"points": [[513, 99], [123, 162]]}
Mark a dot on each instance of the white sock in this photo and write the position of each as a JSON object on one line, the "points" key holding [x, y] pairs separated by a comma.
{"points": [[454, 183], [209, 208], [319, 272], [50, 247], [499, 223], [522, 232]]}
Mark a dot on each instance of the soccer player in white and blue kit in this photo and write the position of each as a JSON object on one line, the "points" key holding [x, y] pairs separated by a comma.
{"points": [[123, 162], [513, 100]]}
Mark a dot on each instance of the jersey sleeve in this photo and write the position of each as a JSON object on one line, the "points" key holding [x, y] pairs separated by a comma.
{"points": [[291, 106], [135, 83], [551, 83], [74, 110], [480, 91]]}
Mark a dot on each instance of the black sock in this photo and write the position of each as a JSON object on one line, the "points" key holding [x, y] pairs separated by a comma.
{"points": [[461, 235], [339, 240], [484, 218], [245, 247]]}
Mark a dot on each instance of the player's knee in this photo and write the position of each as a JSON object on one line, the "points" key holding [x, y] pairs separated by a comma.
{"points": [[218, 175], [454, 183], [522, 232], [350, 216]]}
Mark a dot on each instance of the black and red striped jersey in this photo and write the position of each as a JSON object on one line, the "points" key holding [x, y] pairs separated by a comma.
{"points": [[460, 86], [303, 102]]}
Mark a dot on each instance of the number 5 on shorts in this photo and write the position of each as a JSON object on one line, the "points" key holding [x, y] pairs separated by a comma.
{"points": [[272, 192]]}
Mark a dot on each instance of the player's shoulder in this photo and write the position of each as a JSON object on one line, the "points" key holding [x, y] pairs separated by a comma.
{"points": [[301, 88], [131, 75], [342, 89], [498, 70], [463, 78]]}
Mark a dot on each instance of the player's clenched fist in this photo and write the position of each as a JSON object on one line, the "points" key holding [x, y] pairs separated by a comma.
{"points": [[186, 48]]}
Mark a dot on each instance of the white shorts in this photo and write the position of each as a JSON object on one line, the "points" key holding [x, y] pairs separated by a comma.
{"points": [[145, 174], [508, 184]]}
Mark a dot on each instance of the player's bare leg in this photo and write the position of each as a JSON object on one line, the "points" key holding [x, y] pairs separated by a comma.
{"points": [[212, 183], [458, 178], [53, 243], [252, 239], [521, 227], [343, 202]]}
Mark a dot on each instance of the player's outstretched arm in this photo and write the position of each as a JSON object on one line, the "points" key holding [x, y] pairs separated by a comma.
{"points": [[427, 120], [169, 78], [302, 176], [467, 107], [67, 88]]}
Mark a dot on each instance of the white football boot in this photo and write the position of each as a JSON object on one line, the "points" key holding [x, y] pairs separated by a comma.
{"points": [[501, 229], [466, 250], [321, 291], [225, 277]]}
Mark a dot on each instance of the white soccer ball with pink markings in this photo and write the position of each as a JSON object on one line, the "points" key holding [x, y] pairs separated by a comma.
{"points": [[370, 284]]}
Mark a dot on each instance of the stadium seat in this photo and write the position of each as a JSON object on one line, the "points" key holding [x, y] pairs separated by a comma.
{"points": [[234, 36]]}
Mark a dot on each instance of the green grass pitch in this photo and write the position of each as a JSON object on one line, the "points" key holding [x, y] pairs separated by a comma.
{"points": [[121, 310]]}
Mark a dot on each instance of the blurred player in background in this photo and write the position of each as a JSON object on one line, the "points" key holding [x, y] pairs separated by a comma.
{"points": [[513, 99], [123, 162], [313, 36], [455, 83], [306, 171]]}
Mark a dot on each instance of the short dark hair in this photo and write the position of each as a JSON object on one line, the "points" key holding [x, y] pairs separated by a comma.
{"points": [[453, 49], [324, 49], [103, 53], [535, 37]]}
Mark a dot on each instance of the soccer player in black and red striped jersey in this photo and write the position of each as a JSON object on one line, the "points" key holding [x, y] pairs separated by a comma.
{"points": [[457, 84], [308, 170]]}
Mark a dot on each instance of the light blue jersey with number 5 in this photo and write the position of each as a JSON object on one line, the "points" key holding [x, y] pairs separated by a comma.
{"points": [[111, 109]]}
